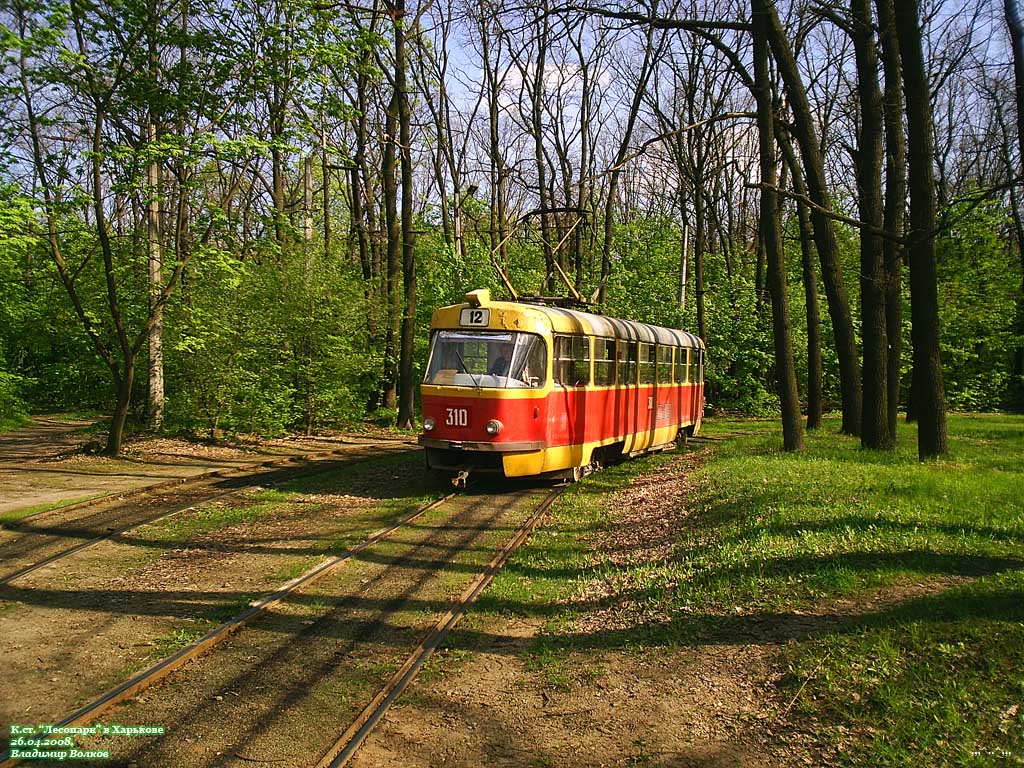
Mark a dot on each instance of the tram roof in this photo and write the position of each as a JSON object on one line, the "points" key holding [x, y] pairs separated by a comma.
{"points": [[563, 320], [573, 321]]}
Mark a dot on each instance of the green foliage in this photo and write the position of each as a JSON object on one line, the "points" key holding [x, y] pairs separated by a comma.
{"points": [[444, 276], [268, 346], [14, 235], [41, 338], [644, 285], [978, 279], [12, 407], [740, 352]]}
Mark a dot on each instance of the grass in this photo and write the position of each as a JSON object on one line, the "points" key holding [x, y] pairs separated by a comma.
{"points": [[896, 588], [14, 421], [173, 641], [214, 517], [20, 514], [360, 480]]}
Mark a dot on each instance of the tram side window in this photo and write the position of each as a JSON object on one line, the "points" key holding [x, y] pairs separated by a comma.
{"points": [[695, 360], [604, 362], [664, 364], [682, 365], [648, 362], [572, 361], [627, 363]]}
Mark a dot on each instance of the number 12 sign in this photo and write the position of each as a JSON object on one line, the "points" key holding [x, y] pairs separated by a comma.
{"points": [[474, 316]]}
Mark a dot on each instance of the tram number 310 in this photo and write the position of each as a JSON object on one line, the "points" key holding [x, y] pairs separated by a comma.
{"points": [[457, 417]]}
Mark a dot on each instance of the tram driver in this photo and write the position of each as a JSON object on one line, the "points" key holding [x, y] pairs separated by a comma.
{"points": [[503, 361]]}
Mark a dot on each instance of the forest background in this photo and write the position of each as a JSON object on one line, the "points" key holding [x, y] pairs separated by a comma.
{"points": [[220, 216]]}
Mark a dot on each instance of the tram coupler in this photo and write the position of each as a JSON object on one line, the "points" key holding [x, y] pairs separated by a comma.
{"points": [[459, 481]]}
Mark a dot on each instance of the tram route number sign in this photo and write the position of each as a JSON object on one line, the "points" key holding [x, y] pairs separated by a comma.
{"points": [[474, 316], [456, 417]]}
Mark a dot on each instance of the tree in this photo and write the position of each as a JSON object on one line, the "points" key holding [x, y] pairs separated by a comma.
{"points": [[929, 392], [875, 431], [82, 105], [895, 203], [771, 234], [824, 234], [405, 381]]}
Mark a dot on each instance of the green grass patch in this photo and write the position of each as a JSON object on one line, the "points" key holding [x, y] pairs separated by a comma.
{"points": [[896, 587], [443, 662], [14, 421], [214, 517], [174, 641], [293, 570], [20, 514], [936, 680]]}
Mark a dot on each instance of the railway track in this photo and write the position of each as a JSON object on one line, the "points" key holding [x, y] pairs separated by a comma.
{"points": [[358, 616], [48, 537], [344, 748], [204, 477]]}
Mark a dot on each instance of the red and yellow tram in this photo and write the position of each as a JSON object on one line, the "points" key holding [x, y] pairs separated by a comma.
{"points": [[523, 389]]}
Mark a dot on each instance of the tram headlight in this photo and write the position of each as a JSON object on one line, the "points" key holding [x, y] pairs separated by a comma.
{"points": [[493, 427], [428, 424]]}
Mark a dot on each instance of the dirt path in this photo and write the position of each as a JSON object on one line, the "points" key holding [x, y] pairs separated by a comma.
{"points": [[43, 464], [691, 707], [46, 438], [494, 702]]}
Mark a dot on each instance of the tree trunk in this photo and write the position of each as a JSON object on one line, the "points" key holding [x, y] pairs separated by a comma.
{"points": [[1016, 28], [620, 157], [929, 392], [406, 403], [325, 171], [895, 203], [771, 236], [875, 418], [498, 177], [155, 410], [123, 384], [537, 129], [824, 233], [394, 264], [815, 400], [307, 200], [699, 246]]}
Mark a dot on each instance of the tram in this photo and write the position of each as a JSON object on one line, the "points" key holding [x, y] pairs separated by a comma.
{"points": [[524, 389]]}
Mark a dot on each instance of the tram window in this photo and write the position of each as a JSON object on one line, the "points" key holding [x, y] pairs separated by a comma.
{"points": [[627, 363], [572, 361], [681, 365], [486, 359], [664, 364], [694, 373], [648, 363], [604, 362], [563, 360]]}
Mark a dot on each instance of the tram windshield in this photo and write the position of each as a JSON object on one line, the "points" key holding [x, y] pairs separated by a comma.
{"points": [[493, 359]]}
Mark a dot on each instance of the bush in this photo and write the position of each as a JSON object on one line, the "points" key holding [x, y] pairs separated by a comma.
{"points": [[12, 407]]}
